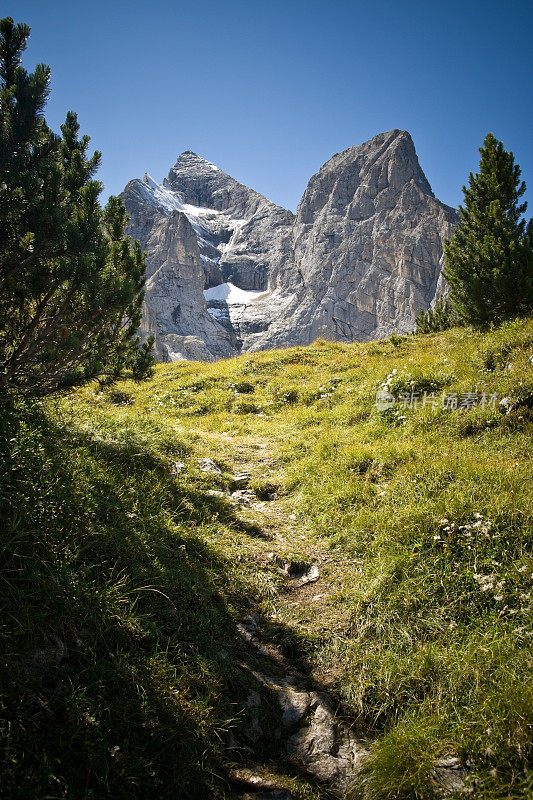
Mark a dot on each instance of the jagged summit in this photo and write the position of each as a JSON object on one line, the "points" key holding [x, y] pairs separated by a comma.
{"points": [[360, 259], [202, 183], [351, 180], [190, 159], [379, 140]]}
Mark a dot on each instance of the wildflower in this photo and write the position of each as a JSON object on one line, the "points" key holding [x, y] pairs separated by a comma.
{"points": [[486, 582]]}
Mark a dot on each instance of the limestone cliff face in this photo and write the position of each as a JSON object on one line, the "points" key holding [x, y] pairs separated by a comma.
{"points": [[231, 272], [174, 309]]}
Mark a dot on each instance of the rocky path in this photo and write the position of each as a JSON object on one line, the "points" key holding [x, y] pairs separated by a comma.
{"points": [[314, 737], [294, 730]]}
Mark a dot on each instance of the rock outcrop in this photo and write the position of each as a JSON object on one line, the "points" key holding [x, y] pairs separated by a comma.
{"points": [[228, 271]]}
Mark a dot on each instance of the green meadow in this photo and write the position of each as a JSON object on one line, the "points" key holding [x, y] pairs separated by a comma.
{"points": [[125, 568]]}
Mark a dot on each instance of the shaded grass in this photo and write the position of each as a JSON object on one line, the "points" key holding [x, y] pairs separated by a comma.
{"points": [[121, 671]]}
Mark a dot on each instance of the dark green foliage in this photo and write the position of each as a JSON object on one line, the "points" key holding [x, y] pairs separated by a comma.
{"points": [[489, 259], [70, 281], [142, 359], [436, 319], [138, 360]]}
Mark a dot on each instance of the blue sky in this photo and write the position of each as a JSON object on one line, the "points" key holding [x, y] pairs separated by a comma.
{"points": [[270, 90]]}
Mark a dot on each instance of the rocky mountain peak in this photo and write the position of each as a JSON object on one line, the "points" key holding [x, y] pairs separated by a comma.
{"points": [[350, 181], [189, 160], [202, 183], [232, 272]]}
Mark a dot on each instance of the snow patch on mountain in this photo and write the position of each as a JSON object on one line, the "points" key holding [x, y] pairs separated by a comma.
{"points": [[168, 200], [231, 295]]}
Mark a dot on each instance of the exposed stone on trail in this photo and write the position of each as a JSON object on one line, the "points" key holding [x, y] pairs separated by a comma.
{"points": [[248, 630], [294, 705], [301, 571], [326, 746], [449, 775], [244, 497], [40, 659], [178, 467], [285, 711], [240, 481], [253, 730], [208, 465]]}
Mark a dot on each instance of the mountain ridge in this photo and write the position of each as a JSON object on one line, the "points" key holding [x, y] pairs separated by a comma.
{"points": [[357, 261]]}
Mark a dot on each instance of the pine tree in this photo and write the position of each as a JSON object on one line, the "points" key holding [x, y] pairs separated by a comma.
{"points": [[436, 319], [70, 280], [489, 257], [143, 359]]}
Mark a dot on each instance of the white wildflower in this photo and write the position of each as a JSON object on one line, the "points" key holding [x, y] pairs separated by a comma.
{"points": [[486, 582]]}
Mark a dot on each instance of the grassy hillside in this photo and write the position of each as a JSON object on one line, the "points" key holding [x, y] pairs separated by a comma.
{"points": [[125, 569]]}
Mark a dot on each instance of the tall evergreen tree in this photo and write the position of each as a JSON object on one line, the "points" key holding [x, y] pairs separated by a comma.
{"points": [[489, 257], [70, 280]]}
